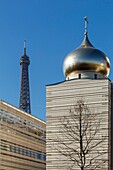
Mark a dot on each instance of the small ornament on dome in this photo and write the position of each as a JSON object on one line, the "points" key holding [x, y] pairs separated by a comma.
{"points": [[86, 25]]}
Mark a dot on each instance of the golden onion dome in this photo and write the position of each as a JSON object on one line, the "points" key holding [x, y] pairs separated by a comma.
{"points": [[86, 58]]}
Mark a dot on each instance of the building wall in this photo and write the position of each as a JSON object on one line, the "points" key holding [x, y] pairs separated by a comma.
{"points": [[112, 125], [22, 140], [63, 96]]}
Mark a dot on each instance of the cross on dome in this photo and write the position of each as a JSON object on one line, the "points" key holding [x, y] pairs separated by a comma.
{"points": [[86, 25]]}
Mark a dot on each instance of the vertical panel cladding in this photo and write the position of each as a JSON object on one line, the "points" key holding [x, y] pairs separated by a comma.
{"points": [[60, 98], [111, 125]]}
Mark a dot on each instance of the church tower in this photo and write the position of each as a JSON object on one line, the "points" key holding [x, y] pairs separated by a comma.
{"points": [[24, 88], [86, 70]]}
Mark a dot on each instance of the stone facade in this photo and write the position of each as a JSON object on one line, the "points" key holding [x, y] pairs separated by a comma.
{"points": [[60, 98]]}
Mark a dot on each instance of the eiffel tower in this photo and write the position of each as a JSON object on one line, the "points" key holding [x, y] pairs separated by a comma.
{"points": [[24, 88]]}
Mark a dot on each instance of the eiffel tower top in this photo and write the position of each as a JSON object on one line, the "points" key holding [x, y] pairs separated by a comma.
{"points": [[24, 58]]}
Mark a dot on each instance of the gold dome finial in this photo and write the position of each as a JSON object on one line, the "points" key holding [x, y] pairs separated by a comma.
{"points": [[86, 25]]}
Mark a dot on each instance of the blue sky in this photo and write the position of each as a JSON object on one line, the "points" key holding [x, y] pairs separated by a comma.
{"points": [[52, 28]]}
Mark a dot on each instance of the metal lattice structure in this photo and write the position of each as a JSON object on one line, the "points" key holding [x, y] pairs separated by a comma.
{"points": [[24, 89]]}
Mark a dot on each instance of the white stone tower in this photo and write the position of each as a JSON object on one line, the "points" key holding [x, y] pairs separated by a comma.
{"points": [[86, 70]]}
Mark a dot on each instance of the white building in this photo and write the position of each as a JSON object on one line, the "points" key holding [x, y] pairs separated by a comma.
{"points": [[86, 70]]}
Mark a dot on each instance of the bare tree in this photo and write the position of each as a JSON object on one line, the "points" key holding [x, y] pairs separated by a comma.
{"points": [[80, 138]]}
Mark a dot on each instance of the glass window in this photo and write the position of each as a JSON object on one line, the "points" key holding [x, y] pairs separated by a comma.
{"points": [[95, 76], [22, 151], [14, 149], [39, 156], [44, 157]]}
